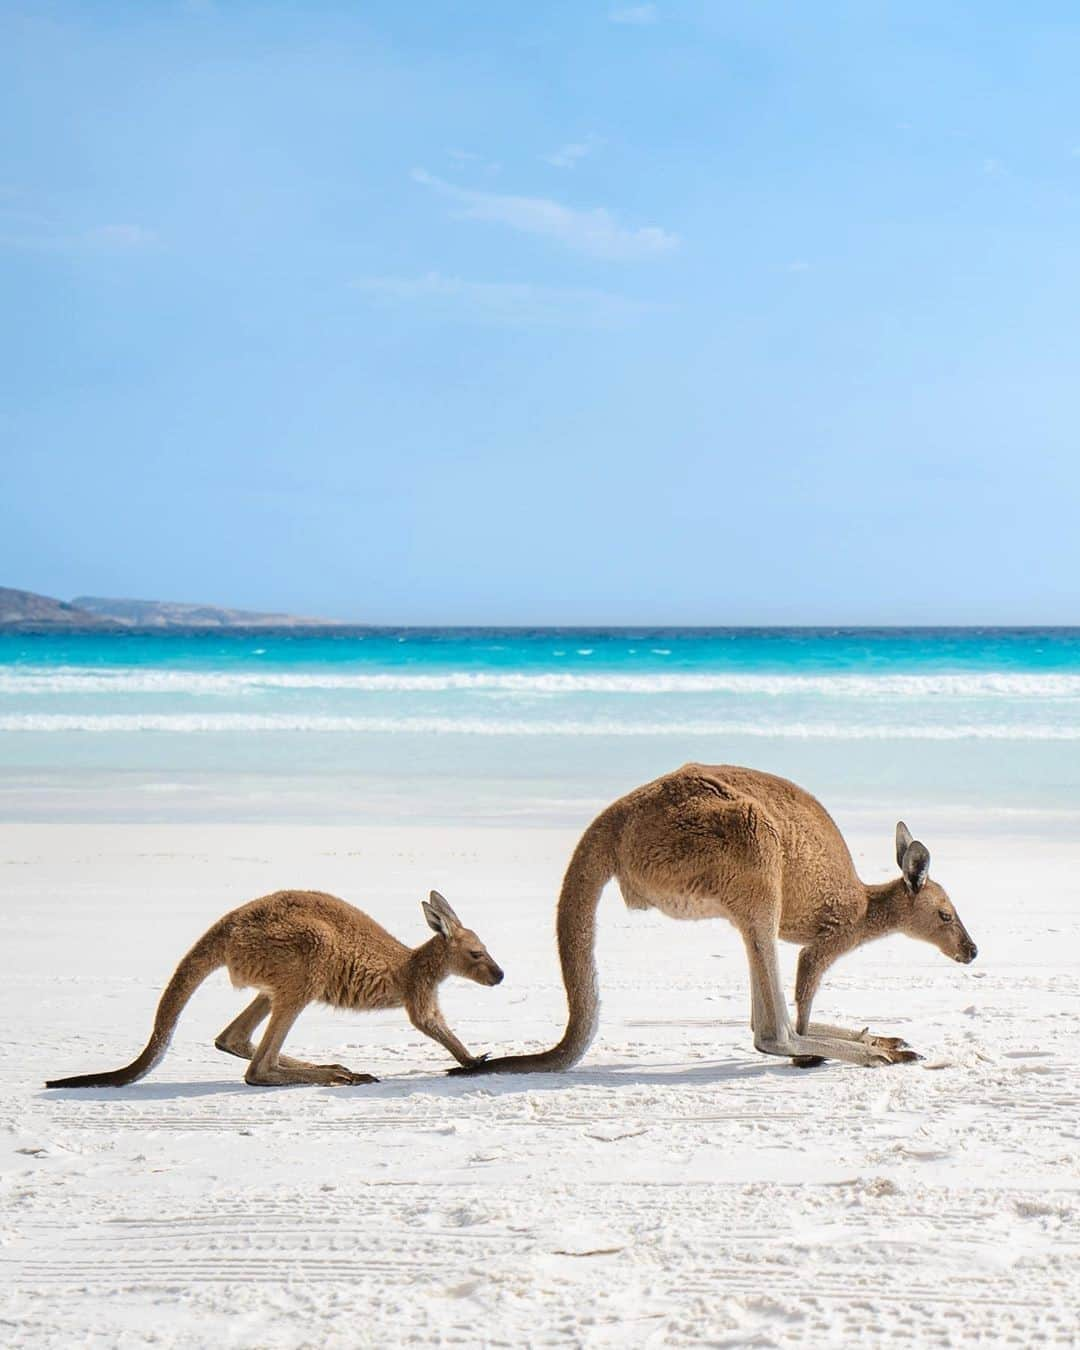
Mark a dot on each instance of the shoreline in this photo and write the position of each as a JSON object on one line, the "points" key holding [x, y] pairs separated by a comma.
{"points": [[863, 819], [188, 799]]}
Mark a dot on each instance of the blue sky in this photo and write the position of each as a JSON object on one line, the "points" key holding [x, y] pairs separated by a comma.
{"points": [[565, 312]]}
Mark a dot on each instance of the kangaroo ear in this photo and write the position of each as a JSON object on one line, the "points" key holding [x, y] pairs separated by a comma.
{"points": [[441, 905], [915, 866], [435, 919], [903, 839]]}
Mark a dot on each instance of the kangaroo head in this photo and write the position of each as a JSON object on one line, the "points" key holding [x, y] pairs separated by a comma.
{"points": [[466, 954], [928, 912]]}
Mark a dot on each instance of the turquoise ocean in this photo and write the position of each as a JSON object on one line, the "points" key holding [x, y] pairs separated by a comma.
{"points": [[543, 725]]}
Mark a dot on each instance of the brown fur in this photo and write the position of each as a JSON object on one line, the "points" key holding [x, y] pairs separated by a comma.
{"points": [[725, 842], [301, 947]]}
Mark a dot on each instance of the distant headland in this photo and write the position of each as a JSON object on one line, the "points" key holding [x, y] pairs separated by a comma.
{"points": [[28, 612]]}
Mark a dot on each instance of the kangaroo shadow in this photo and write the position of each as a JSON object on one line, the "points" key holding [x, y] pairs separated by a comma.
{"points": [[714, 1073], [151, 1092]]}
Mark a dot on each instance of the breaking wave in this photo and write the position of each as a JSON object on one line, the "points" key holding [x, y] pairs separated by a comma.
{"points": [[472, 726], [88, 680]]}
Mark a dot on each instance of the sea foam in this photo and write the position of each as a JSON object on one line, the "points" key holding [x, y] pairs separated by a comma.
{"points": [[15, 680], [473, 726]]}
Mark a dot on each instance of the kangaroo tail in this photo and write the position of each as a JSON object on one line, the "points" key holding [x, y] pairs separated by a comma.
{"points": [[206, 956], [591, 868]]}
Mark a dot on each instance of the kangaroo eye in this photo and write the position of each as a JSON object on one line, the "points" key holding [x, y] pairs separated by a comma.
{"points": [[945, 916], [476, 956]]}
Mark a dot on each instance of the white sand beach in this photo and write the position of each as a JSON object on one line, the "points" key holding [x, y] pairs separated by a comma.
{"points": [[677, 1188]]}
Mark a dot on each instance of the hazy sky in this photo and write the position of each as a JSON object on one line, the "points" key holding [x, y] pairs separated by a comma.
{"points": [[446, 312]]}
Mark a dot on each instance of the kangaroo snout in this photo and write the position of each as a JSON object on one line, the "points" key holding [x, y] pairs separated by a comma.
{"points": [[967, 953], [495, 975]]}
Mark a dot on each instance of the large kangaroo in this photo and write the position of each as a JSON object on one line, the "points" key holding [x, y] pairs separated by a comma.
{"points": [[722, 841], [301, 947]]}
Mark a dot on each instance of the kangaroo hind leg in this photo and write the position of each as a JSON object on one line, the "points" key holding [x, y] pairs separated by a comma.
{"points": [[773, 1031], [269, 1069], [236, 1038]]}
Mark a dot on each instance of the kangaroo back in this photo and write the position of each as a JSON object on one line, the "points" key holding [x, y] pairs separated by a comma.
{"points": [[206, 956]]}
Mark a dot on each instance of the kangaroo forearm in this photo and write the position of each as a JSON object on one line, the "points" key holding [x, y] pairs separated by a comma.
{"points": [[449, 1041], [431, 1024], [808, 978], [814, 961], [812, 966]]}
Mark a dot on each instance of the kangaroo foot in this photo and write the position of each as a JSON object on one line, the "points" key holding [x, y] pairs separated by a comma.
{"points": [[328, 1075], [867, 1036], [352, 1077], [892, 1049], [889, 1054], [886, 1050], [903, 1055], [801, 1047], [889, 1043]]}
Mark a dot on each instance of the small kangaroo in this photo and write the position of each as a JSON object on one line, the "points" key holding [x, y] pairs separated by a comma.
{"points": [[301, 947], [720, 841]]}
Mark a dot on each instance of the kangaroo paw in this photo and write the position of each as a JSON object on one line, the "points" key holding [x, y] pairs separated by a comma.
{"points": [[893, 1055], [473, 1067]]}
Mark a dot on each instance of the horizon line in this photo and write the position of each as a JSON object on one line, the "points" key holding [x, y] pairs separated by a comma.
{"points": [[345, 626]]}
